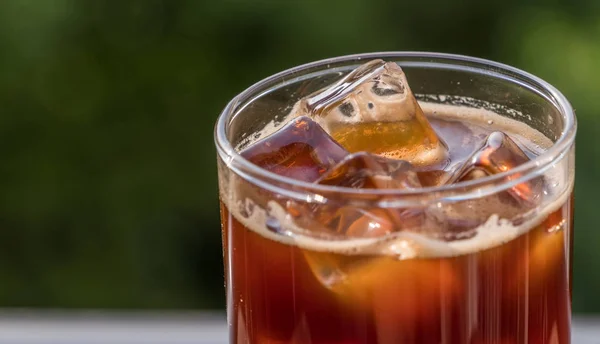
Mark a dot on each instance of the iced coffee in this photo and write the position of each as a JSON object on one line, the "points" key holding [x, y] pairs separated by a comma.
{"points": [[380, 218]]}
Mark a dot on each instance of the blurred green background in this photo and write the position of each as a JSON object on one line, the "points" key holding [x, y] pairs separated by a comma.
{"points": [[108, 179]]}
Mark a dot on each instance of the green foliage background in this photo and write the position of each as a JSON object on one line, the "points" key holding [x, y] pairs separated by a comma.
{"points": [[107, 176]]}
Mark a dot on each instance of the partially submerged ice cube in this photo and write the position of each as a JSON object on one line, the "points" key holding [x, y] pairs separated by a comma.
{"points": [[499, 153], [365, 170], [373, 109], [361, 171], [301, 150]]}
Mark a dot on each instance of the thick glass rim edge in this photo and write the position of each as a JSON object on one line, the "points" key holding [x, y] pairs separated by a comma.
{"points": [[523, 172]]}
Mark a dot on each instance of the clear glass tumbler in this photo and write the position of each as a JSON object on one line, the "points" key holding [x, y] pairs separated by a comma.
{"points": [[508, 281]]}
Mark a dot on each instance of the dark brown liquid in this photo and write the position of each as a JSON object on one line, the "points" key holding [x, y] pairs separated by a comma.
{"points": [[518, 292]]}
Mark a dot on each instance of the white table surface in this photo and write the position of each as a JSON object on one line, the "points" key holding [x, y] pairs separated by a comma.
{"points": [[89, 327]]}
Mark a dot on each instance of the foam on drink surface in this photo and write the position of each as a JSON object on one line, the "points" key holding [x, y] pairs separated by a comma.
{"points": [[408, 244]]}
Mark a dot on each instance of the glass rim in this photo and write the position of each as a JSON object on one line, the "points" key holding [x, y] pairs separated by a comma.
{"points": [[477, 188]]}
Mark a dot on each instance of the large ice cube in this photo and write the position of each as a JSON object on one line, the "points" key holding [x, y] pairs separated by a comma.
{"points": [[499, 153], [373, 109], [361, 170], [365, 170], [301, 150]]}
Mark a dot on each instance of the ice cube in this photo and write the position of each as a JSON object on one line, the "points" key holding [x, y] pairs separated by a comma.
{"points": [[403, 290], [361, 170], [373, 109], [499, 153], [365, 170], [301, 150]]}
